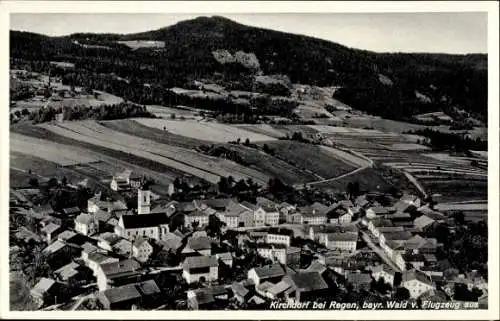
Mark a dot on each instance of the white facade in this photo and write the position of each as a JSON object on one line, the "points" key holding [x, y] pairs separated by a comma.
{"points": [[388, 278], [272, 218], [274, 254], [295, 218], [259, 217], [278, 239], [131, 234], [201, 219], [142, 252], [85, 228], [212, 274], [231, 221], [416, 287], [314, 219], [344, 246]]}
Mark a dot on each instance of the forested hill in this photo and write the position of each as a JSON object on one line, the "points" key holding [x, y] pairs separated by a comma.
{"points": [[390, 85]]}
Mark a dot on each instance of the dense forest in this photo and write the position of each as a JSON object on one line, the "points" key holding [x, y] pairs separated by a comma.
{"points": [[450, 141], [448, 80]]}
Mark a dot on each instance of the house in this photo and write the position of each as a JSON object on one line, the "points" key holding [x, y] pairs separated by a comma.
{"points": [[315, 231], [73, 272], [344, 242], [359, 281], [271, 215], [314, 214], [304, 286], [418, 244], [246, 219], [416, 260], [88, 248], [85, 224], [293, 255], [423, 222], [240, 292], [107, 240], [400, 237], [95, 259], [50, 219], [340, 215], [207, 298], [123, 247], [383, 271], [125, 180], [417, 283], [273, 252], [407, 201], [378, 222], [201, 217], [50, 231], [70, 212], [295, 218], [398, 258], [171, 242], [40, 211], [201, 244], [118, 273], [285, 210], [268, 273], [154, 226], [66, 236], [226, 258], [45, 291], [140, 295], [379, 231], [142, 249], [377, 211], [278, 238], [199, 268], [361, 201], [391, 248]]}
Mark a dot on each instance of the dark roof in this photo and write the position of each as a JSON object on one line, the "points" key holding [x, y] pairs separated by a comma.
{"points": [[43, 209], [71, 210], [416, 275], [307, 281], [148, 287], [403, 236], [269, 271], [358, 278], [197, 213], [144, 220], [218, 203], [349, 236], [102, 216], [200, 243], [239, 289], [249, 205], [120, 267], [122, 293], [193, 262]]}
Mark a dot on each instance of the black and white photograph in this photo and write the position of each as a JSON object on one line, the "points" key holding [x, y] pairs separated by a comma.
{"points": [[244, 161]]}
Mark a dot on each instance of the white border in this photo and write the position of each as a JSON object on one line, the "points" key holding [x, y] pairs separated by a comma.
{"points": [[214, 7]]}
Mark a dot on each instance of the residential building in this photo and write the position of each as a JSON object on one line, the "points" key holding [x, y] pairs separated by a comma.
{"points": [[71, 212], [95, 259], [107, 240], [201, 244], [417, 283], [50, 219], [140, 295], [314, 214], [273, 252], [50, 231], [40, 211], [142, 249], [423, 222], [417, 261], [240, 292], [407, 201], [398, 259], [85, 224], [199, 216], [226, 258], [344, 242], [293, 256], [246, 219], [115, 274], [45, 292], [123, 247], [400, 237], [154, 226], [72, 273], [358, 280], [377, 211], [278, 238], [207, 298], [383, 271], [304, 286], [378, 231], [268, 273], [295, 218], [196, 268], [125, 180]]}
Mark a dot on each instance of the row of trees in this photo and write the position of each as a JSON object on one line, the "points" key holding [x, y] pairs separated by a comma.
{"points": [[450, 141]]}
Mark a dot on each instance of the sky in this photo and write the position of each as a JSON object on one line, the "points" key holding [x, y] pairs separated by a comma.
{"points": [[461, 32]]}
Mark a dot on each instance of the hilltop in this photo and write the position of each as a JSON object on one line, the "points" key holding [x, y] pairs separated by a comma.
{"points": [[394, 86]]}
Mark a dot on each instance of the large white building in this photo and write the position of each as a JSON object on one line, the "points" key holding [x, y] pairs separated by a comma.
{"points": [[196, 268], [344, 242], [153, 226]]}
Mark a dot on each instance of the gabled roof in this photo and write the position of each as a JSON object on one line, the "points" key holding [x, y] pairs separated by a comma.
{"points": [[125, 266], [54, 247], [102, 216], [84, 219], [200, 243], [378, 222], [148, 287], [279, 287], [198, 213], [348, 236], [379, 210], [416, 275], [51, 228], [423, 221], [358, 278], [316, 266], [239, 289], [397, 236], [249, 205], [109, 237], [140, 241], [122, 247], [144, 220], [98, 257], [43, 209], [66, 235], [67, 271], [218, 203], [383, 267], [171, 241], [193, 262], [71, 210], [89, 248], [122, 293], [43, 286], [306, 281], [269, 271]]}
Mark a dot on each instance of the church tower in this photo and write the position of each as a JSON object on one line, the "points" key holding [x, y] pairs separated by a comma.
{"points": [[143, 201]]}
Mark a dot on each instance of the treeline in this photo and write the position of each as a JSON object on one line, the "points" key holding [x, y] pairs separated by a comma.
{"points": [[450, 141], [103, 112]]}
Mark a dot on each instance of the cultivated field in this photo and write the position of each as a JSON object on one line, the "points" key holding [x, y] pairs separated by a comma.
{"points": [[202, 130], [369, 180], [54, 152], [322, 163], [263, 129], [184, 160]]}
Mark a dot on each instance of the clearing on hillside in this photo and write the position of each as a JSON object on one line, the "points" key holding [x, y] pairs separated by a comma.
{"points": [[203, 130]]}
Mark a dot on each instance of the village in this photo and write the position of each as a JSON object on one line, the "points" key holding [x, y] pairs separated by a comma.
{"points": [[222, 253]]}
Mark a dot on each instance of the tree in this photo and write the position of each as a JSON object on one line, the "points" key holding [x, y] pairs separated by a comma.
{"points": [[64, 181], [52, 182], [247, 142], [33, 182], [172, 116], [402, 294]]}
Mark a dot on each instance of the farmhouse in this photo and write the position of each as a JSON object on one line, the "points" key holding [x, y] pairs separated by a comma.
{"points": [[40, 211], [110, 275], [304, 286], [383, 271], [268, 273], [344, 242], [141, 295], [125, 180], [278, 237], [358, 281], [207, 298], [273, 252], [199, 268], [50, 231], [141, 249], [198, 216], [199, 244], [417, 283], [85, 224]]}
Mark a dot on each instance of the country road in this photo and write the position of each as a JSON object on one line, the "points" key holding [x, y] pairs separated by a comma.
{"points": [[379, 251]]}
